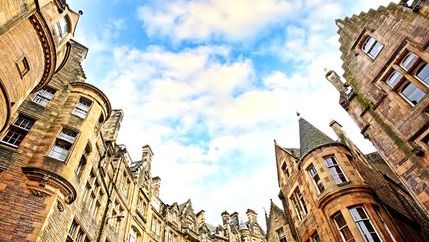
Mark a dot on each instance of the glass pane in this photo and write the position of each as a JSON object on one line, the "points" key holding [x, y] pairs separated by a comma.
{"points": [[376, 49], [339, 219], [368, 44], [13, 137], [67, 135], [412, 93], [423, 74], [409, 61], [394, 79], [330, 161], [24, 123]]}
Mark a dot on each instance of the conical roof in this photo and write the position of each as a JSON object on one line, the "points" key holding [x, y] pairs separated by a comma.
{"points": [[310, 137]]}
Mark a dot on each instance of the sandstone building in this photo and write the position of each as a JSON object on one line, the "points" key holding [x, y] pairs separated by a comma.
{"points": [[64, 177], [331, 191], [34, 42], [385, 59]]}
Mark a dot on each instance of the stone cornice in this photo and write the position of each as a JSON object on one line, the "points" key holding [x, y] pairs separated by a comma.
{"points": [[44, 181]]}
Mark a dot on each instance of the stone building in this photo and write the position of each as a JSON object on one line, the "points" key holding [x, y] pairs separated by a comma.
{"points": [[331, 191], [278, 225], [385, 60], [64, 177], [34, 44]]}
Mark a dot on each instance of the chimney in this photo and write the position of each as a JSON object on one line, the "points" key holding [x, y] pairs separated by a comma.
{"points": [[225, 218], [251, 216], [335, 80], [147, 155]]}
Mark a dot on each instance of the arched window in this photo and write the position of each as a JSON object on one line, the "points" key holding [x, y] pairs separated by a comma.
{"points": [[394, 79], [372, 47], [412, 93], [409, 61]]}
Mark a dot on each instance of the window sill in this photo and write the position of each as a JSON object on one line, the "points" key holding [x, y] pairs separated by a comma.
{"points": [[11, 147], [344, 183]]}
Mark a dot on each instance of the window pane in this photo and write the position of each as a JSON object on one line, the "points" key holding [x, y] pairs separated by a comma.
{"points": [[23, 123], [409, 61], [67, 135], [376, 49], [423, 73], [364, 224], [412, 93], [394, 79], [368, 44]]}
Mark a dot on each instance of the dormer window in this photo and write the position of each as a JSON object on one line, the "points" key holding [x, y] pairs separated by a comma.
{"points": [[372, 47]]}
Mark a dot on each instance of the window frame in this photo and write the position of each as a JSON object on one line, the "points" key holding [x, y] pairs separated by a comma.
{"points": [[335, 165], [79, 110], [18, 129], [23, 66], [375, 42], [343, 227], [409, 74], [44, 95], [358, 223], [298, 203], [312, 176], [64, 140]]}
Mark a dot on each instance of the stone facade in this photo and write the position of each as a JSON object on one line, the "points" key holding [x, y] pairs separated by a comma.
{"points": [[385, 55], [278, 225], [324, 185], [34, 44]]}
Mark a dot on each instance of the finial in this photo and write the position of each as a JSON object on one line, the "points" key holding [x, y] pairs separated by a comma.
{"points": [[275, 141], [298, 114]]}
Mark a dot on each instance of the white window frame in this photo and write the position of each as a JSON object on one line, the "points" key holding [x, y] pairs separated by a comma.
{"points": [[359, 222]]}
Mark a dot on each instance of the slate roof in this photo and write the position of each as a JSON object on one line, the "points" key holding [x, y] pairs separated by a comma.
{"points": [[310, 137]]}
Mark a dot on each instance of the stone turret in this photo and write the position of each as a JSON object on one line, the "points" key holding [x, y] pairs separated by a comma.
{"points": [[252, 216]]}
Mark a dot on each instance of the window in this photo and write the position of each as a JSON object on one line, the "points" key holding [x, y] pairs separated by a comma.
{"points": [[316, 238], [335, 170], [82, 108], [61, 27], [281, 235], [18, 130], [412, 93], [409, 61], [156, 227], [342, 227], [44, 96], [63, 145], [93, 195], [372, 47], [141, 205], [126, 183], [133, 235], [80, 167], [285, 169], [364, 224], [394, 79], [411, 75], [316, 179], [423, 73], [76, 233], [115, 221], [298, 203], [23, 66]]}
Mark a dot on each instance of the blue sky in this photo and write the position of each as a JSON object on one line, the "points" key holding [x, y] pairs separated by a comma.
{"points": [[210, 84]]}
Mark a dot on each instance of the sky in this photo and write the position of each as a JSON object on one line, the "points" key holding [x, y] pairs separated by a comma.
{"points": [[209, 85]]}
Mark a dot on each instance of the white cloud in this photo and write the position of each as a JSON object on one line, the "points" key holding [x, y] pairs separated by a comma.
{"points": [[210, 116], [236, 20]]}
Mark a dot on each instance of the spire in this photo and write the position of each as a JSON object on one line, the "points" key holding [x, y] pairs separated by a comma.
{"points": [[311, 137]]}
